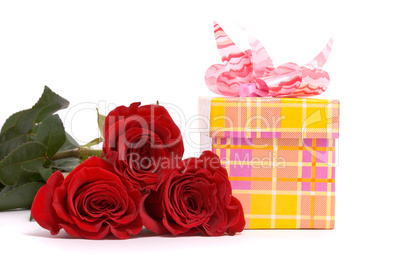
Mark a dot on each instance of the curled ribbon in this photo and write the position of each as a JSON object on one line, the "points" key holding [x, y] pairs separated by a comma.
{"points": [[252, 73]]}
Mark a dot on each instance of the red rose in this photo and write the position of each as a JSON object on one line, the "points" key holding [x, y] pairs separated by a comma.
{"points": [[141, 143], [91, 202], [194, 197]]}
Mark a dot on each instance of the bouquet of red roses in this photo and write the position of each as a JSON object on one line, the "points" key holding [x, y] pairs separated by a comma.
{"points": [[139, 178]]}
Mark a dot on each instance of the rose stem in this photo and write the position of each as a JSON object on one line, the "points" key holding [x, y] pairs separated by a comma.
{"points": [[79, 153]]}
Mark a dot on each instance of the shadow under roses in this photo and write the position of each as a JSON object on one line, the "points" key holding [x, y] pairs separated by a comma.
{"points": [[64, 235], [145, 233]]}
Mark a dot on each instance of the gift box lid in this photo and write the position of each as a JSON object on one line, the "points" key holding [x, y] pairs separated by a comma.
{"points": [[265, 117]]}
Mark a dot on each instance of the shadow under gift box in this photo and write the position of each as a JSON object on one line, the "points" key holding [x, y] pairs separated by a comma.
{"points": [[280, 157]]}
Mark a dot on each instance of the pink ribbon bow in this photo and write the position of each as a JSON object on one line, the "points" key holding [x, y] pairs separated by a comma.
{"points": [[252, 73]]}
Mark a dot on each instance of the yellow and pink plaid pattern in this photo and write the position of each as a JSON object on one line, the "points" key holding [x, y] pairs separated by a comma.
{"points": [[282, 163], [256, 117]]}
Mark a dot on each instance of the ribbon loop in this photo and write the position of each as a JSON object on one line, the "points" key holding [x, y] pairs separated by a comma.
{"points": [[248, 90]]}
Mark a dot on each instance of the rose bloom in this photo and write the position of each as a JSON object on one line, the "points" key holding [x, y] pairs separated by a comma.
{"points": [[142, 142], [91, 202], [194, 197]]}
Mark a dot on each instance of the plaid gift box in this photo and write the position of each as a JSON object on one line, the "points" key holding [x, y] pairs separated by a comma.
{"points": [[280, 157]]}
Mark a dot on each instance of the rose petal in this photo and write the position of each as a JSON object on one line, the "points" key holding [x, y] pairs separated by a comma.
{"points": [[173, 227], [59, 202], [236, 221], [98, 179], [87, 175], [124, 231], [76, 232], [91, 162], [118, 113], [42, 210], [151, 212], [217, 223]]}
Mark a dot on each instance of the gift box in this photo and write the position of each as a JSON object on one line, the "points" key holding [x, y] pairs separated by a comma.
{"points": [[280, 157], [278, 147]]}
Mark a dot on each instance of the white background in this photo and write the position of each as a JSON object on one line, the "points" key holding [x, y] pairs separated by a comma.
{"points": [[99, 53]]}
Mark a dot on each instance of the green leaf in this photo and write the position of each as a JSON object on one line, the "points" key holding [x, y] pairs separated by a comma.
{"points": [[45, 173], [94, 142], [30, 154], [27, 176], [34, 173], [32, 132], [70, 143], [26, 121], [8, 134], [34, 129], [6, 189], [51, 134], [101, 122], [11, 120], [66, 165], [20, 197], [9, 145], [47, 162], [47, 104]]}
